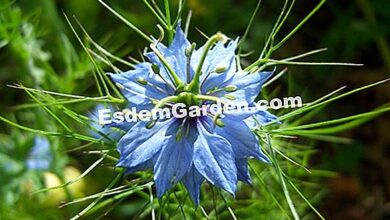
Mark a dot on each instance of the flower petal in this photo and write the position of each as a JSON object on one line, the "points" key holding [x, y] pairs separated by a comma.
{"points": [[174, 161], [174, 54], [214, 159], [140, 144], [218, 57], [244, 143], [137, 93], [193, 181], [40, 155], [248, 86], [259, 118], [242, 171]]}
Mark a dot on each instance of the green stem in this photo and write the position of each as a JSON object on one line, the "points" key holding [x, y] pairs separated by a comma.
{"points": [[319, 5], [118, 197], [159, 18], [380, 39], [169, 24], [132, 26]]}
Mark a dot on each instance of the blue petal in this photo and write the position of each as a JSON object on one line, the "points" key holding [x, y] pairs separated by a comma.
{"points": [[218, 56], [248, 86], [243, 171], [173, 162], [37, 164], [244, 143], [193, 181], [261, 117], [40, 155], [140, 144], [139, 94], [214, 159], [142, 166], [174, 54], [41, 147]]}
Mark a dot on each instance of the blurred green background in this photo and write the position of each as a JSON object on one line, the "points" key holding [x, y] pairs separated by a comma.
{"points": [[38, 49]]}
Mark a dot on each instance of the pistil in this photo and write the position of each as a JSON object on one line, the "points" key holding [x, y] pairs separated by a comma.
{"points": [[194, 86]]}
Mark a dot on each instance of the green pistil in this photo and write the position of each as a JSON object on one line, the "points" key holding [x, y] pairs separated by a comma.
{"points": [[194, 86], [187, 98], [188, 52], [166, 100]]}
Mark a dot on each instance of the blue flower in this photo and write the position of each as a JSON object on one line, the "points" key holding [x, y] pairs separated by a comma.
{"points": [[191, 150], [40, 155]]}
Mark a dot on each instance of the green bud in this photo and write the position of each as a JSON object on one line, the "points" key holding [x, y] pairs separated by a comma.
{"points": [[220, 69], [231, 88], [155, 69], [230, 97], [151, 124], [142, 81]]}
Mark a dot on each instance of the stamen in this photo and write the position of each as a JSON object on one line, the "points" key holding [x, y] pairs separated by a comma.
{"points": [[230, 97], [120, 86], [217, 121], [231, 88], [188, 52], [142, 81], [180, 131], [156, 71], [220, 69], [176, 79], [194, 86], [150, 124]]}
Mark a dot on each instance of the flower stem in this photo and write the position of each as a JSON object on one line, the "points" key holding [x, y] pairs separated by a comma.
{"points": [[168, 18]]}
